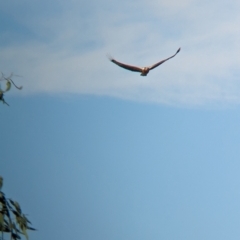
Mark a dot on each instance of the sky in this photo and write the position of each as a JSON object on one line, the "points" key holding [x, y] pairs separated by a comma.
{"points": [[95, 152]]}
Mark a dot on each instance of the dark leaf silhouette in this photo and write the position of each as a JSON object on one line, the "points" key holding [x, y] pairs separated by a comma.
{"points": [[9, 83], [9, 209]]}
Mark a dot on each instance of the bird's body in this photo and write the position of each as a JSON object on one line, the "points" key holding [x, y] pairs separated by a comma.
{"points": [[143, 70]]}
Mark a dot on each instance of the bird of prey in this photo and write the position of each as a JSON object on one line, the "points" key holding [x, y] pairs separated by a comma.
{"points": [[143, 70]]}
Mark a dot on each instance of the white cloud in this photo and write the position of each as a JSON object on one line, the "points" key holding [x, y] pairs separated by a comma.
{"points": [[68, 52]]}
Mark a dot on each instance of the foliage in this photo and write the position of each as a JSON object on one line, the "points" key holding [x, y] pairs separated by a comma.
{"points": [[9, 83], [8, 210]]}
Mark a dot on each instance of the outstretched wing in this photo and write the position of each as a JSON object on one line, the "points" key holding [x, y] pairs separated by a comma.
{"points": [[161, 62], [126, 66]]}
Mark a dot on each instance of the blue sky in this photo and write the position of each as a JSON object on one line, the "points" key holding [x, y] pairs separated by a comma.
{"points": [[92, 151]]}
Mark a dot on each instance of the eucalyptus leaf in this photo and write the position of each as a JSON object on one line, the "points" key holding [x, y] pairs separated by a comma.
{"points": [[17, 227]]}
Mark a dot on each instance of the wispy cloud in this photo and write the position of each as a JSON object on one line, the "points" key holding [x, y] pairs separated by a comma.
{"points": [[62, 47]]}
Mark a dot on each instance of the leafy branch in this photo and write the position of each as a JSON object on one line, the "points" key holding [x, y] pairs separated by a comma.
{"points": [[8, 210], [9, 83]]}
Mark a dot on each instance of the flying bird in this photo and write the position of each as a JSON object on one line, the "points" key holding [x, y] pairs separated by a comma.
{"points": [[143, 70]]}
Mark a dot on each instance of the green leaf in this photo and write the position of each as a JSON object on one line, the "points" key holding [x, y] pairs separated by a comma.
{"points": [[1, 219], [24, 230], [30, 228], [16, 213], [16, 205], [8, 86], [15, 236]]}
